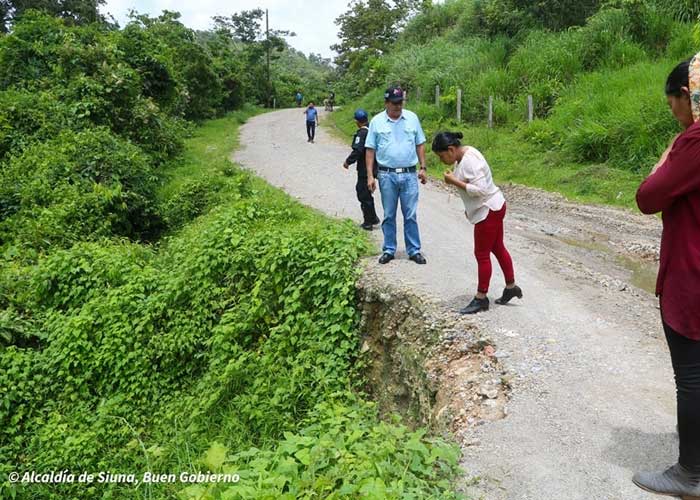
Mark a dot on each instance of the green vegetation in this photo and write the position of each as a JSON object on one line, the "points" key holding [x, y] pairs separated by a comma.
{"points": [[161, 310], [237, 332], [596, 73]]}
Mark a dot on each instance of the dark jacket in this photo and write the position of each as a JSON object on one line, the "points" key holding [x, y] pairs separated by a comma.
{"points": [[674, 190], [358, 151]]}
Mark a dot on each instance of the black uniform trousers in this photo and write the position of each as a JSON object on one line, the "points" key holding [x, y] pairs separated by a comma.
{"points": [[364, 196]]}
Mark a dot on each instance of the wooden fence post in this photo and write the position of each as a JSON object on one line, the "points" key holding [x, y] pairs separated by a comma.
{"points": [[530, 109], [437, 95], [490, 111], [459, 105]]}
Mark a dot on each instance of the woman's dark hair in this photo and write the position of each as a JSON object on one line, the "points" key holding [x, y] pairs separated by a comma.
{"points": [[677, 79], [444, 140]]}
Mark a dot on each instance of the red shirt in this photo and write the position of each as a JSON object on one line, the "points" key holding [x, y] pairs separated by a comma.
{"points": [[674, 190]]}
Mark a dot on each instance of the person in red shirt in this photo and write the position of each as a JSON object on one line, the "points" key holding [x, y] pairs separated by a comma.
{"points": [[673, 188]]}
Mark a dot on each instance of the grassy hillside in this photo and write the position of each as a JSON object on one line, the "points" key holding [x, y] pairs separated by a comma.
{"points": [[601, 118]]}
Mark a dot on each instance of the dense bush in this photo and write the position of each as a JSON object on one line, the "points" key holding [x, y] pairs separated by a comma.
{"points": [[234, 331], [27, 117], [77, 186], [84, 70], [343, 453]]}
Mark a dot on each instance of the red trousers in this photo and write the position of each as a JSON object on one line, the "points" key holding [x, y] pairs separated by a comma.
{"points": [[488, 239]]}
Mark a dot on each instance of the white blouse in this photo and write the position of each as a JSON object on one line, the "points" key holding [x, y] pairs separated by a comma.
{"points": [[482, 194]]}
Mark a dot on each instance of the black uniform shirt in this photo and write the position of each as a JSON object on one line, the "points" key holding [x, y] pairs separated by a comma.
{"points": [[358, 151]]}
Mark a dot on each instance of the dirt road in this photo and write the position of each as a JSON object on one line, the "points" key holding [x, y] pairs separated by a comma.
{"points": [[593, 396]]}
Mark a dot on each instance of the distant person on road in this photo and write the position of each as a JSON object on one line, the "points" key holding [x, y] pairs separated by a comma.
{"points": [[673, 188], [298, 98], [311, 121], [364, 196], [396, 142], [485, 207]]}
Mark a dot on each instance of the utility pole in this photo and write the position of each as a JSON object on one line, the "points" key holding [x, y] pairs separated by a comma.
{"points": [[267, 40]]}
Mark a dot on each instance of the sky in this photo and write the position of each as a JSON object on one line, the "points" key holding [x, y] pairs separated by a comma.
{"points": [[312, 20]]}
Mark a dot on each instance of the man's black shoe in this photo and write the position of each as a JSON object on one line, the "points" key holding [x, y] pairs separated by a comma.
{"points": [[475, 306], [509, 293], [386, 257], [418, 258], [367, 226]]}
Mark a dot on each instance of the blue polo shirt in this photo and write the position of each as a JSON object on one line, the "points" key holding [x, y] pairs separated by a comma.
{"points": [[311, 114], [395, 141]]}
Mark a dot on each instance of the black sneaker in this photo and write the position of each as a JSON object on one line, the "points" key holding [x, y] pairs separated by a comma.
{"points": [[376, 221], [509, 293], [475, 306], [367, 226], [418, 258], [386, 257]]}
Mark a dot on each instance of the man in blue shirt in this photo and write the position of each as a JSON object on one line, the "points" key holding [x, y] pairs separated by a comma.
{"points": [[311, 121], [396, 142], [298, 97]]}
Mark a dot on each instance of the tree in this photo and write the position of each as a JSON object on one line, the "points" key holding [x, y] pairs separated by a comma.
{"points": [[369, 28], [320, 60], [245, 28], [74, 11]]}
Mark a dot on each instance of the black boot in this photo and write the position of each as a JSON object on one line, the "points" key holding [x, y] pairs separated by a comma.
{"points": [[674, 481], [509, 293], [475, 306]]}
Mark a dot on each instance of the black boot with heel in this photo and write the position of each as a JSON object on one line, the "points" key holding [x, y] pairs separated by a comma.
{"points": [[509, 293]]}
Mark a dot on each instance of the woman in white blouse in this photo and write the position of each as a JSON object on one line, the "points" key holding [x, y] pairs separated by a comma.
{"points": [[485, 207]]}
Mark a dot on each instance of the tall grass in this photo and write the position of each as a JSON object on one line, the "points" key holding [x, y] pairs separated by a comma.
{"points": [[627, 128]]}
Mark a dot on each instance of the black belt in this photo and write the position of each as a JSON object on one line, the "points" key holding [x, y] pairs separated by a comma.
{"points": [[398, 170]]}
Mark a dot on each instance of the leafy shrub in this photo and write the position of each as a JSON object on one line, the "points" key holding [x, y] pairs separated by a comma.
{"points": [[250, 306], [80, 185], [27, 117], [193, 198], [342, 453]]}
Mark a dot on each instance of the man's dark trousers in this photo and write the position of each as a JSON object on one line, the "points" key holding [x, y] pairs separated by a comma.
{"points": [[311, 130], [364, 196]]}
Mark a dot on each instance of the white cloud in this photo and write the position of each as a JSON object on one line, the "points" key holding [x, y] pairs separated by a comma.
{"points": [[311, 21]]}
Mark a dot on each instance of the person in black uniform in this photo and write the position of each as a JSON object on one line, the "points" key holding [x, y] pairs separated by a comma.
{"points": [[364, 195]]}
